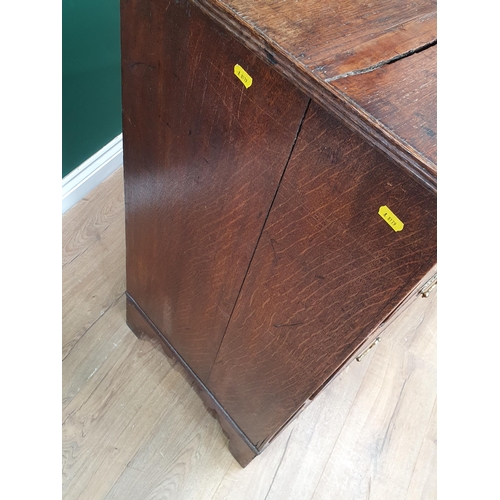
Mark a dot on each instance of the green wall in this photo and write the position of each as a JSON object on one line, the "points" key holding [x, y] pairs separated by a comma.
{"points": [[91, 106]]}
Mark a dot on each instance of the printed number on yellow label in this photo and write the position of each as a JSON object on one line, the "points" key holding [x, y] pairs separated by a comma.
{"points": [[245, 78], [391, 219]]}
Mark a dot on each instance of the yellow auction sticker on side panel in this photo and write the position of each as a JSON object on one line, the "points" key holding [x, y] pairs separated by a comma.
{"points": [[245, 78], [388, 215]]}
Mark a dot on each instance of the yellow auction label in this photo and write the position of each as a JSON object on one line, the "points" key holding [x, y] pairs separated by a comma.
{"points": [[388, 215], [245, 78]]}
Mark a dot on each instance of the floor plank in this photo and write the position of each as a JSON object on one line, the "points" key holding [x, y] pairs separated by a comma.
{"points": [[423, 482], [172, 461], [380, 442], [84, 223], [92, 358], [101, 436], [94, 277], [134, 427]]}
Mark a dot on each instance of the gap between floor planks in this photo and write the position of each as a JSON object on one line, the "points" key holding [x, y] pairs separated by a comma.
{"points": [[134, 427]]}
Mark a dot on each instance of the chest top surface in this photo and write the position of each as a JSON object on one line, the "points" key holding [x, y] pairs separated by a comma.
{"points": [[373, 63]]}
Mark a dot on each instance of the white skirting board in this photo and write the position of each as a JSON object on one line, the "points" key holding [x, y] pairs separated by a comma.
{"points": [[92, 172]]}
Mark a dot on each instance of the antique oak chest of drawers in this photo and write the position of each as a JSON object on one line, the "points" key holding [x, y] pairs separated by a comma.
{"points": [[280, 190]]}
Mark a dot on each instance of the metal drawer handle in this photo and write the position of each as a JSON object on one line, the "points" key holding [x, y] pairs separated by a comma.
{"points": [[429, 286], [376, 341]]}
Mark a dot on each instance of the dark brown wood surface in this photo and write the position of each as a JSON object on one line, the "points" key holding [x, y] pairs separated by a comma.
{"points": [[333, 38], [403, 96], [327, 270], [315, 43], [255, 251], [203, 156]]}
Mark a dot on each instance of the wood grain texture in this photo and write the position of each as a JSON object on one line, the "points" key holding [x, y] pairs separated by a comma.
{"points": [[253, 237], [333, 38], [173, 449], [423, 483], [313, 43], [328, 269], [203, 157], [102, 421], [84, 368], [404, 382], [92, 219], [403, 96], [99, 233]]}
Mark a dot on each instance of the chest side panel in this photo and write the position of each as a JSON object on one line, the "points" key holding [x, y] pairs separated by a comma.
{"points": [[203, 155], [327, 270]]}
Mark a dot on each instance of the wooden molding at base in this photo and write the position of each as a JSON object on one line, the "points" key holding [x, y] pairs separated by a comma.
{"points": [[239, 445]]}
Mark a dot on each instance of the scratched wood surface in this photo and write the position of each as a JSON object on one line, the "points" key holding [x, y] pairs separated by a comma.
{"points": [[403, 94], [135, 429], [318, 44], [327, 271], [346, 36], [203, 156]]}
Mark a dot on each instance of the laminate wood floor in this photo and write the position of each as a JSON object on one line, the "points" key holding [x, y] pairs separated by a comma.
{"points": [[135, 429]]}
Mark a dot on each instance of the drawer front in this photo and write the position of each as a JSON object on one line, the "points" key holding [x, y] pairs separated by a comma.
{"points": [[328, 270]]}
